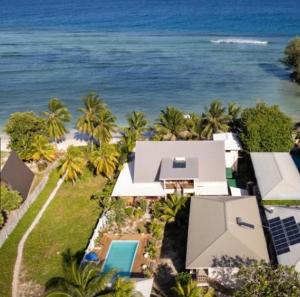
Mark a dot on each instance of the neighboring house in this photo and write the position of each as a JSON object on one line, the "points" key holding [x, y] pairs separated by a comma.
{"points": [[143, 286], [232, 148], [16, 175], [223, 233], [277, 176], [284, 227], [159, 168]]}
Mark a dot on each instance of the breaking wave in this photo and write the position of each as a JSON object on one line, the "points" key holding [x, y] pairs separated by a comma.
{"points": [[240, 41]]}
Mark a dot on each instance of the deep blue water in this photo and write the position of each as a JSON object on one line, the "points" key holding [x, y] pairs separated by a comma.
{"points": [[145, 54]]}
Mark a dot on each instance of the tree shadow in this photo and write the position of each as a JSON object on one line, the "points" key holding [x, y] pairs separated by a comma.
{"points": [[223, 278], [175, 239], [67, 258], [164, 281], [275, 70]]}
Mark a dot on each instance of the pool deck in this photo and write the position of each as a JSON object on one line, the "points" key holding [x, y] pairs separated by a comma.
{"points": [[139, 257]]}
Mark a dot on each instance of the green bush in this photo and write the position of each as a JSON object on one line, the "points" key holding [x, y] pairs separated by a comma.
{"points": [[142, 203], [151, 249], [156, 229], [22, 127], [138, 213], [156, 209], [129, 211], [183, 278], [292, 58], [266, 129]]}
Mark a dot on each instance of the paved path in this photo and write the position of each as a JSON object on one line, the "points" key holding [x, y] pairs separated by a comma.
{"points": [[17, 268]]}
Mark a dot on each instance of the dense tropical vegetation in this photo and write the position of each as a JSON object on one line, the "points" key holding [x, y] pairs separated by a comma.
{"points": [[22, 127], [262, 279], [266, 129], [292, 58], [185, 286], [9, 200], [87, 280]]}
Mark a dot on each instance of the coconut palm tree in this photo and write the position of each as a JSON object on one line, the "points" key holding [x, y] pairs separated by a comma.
{"points": [[172, 206], [122, 288], [87, 122], [41, 149], [105, 126], [215, 119], [72, 165], [85, 280], [170, 123], [126, 144], [137, 123], [105, 159], [191, 289], [193, 125], [234, 111], [56, 118]]}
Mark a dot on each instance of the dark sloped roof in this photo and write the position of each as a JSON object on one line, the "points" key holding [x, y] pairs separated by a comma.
{"points": [[17, 175]]}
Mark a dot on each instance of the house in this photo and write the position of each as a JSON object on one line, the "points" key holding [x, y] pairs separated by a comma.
{"points": [[232, 148], [223, 233], [16, 175], [159, 168], [284, 229], [277, 176], [143, 286]]}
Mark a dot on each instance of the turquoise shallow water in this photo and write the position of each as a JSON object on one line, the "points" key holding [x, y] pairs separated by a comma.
{"points": [[121, 255], [145, 54]]}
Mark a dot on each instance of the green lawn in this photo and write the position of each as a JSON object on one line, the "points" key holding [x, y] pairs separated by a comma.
{"points": [[67, 223], [8, 251], [281, 202]]}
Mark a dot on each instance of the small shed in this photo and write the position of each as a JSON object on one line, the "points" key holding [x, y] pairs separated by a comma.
{"points": [[16, 175]]}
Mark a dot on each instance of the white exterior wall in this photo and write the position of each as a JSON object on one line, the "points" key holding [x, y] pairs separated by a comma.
{"points": [[231, 159], [211, 188]]}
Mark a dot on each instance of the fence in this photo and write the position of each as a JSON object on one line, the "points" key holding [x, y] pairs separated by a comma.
{"points": [[16, 215], [102, 223]]}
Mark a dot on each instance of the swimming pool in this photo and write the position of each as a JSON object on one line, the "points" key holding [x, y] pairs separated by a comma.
{"points": [[120, 256]]}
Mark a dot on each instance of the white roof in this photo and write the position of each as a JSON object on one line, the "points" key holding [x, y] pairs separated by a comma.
{"points": [[232, 142], [237, 192], [277, 176], [144, 286], [292, 258], [125, 187]]}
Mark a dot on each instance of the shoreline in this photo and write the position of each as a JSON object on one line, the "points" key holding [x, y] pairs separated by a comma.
{"points": [[73, 137]]}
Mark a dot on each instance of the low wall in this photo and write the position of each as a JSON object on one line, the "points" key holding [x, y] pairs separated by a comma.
{"points": [[102, 223], [16, 215]]}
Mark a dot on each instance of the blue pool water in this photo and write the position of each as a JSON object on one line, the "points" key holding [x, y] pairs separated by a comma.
{"points": [[120, 256]]}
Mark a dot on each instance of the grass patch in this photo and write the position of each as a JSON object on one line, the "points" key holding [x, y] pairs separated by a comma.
{"points": [[8, 251], [67, 223], [281, 202], [3, 156]]}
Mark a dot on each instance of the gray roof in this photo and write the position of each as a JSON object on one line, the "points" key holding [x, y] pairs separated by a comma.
{"points": [[277, 176], [214, 233], [17, 175], [150, 154], [168, 172]]}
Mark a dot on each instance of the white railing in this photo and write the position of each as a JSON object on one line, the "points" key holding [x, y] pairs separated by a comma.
{"points": [[102, 223]]}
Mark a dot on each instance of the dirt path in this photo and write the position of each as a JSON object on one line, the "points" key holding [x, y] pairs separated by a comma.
{"points": [[17, 267]]}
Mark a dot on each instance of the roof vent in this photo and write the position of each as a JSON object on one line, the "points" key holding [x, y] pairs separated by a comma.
{"points": [[179, 162], [240, 222]]}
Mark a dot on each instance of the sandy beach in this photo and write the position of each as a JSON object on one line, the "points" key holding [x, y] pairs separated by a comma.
{"points": [[74, 138]]}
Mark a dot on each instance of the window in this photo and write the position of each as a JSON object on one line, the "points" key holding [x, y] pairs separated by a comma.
{"points": [[179, 162]]}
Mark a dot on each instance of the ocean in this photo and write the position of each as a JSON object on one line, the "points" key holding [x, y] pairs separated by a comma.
{"points": [[145, 55]]}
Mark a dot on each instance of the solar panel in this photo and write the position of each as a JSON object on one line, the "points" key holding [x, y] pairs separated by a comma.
{"points": [[285, 233]]}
